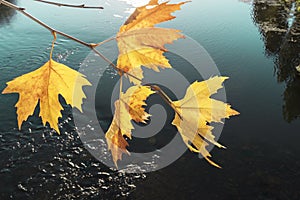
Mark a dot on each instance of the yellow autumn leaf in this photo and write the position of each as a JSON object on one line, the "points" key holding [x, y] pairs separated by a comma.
{"points": [[129, 107], [196, 110], [142, 44], [120, 126], [135, 98], [44, 86], [150, 15]]}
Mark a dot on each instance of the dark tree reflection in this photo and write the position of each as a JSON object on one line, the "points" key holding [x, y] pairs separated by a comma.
{"points": [[279, 24], [6, 13]]}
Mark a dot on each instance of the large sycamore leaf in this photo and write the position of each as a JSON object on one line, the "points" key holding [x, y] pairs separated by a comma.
{"points": [[44, 86], [196, 110], [142, 44], [129, 107]]}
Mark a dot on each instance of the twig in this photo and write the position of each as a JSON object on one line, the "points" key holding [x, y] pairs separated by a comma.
{"points": [[166, 98], [93, 47], [105, 41], [22, 10], [52, 30], [70, 5]]}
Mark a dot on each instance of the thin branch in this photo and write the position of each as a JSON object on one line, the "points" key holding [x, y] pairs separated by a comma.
{"points": [[22, 10], [105, 41], [52, 30], [166, 98], [114, 66], [93, 47], [70, 5]]}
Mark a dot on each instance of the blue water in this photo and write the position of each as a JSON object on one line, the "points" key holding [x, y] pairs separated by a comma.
{"points": [[256, 45]]}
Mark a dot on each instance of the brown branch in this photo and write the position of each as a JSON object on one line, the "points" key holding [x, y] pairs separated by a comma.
{"points": [[22, 10], [93, 47], [52, 30], [166, 98], [70, 5], [105, 41]]}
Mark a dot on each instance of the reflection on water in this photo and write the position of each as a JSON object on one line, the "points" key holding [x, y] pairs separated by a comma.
{"points": [[6, 13], [279, 24]]}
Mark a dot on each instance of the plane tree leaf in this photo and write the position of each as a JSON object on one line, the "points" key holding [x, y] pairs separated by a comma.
{"points": [[130, 106], [142, 44], [196, 111], [43, 86]]}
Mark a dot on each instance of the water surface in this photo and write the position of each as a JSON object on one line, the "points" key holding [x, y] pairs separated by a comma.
{"points": [[256, 45]]}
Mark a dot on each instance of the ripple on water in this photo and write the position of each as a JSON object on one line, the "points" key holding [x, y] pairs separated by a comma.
{"points": [[47, 166]]}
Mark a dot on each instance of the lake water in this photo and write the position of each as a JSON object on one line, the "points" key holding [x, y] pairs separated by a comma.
{"points": [[257, 45]]}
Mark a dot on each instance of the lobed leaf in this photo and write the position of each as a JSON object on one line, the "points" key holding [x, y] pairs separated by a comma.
{"points": [[44, 86], [129, 107], [196, 110], [141, 44]]}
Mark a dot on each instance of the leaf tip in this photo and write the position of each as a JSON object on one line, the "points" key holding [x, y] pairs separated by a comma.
{"points": [[6, 89], [234, 112], [20, 122], [3, 91], [213, 163]]}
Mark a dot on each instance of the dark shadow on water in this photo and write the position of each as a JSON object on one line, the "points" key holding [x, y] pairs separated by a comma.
{"points": [[6, 13], [279, 24]]}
